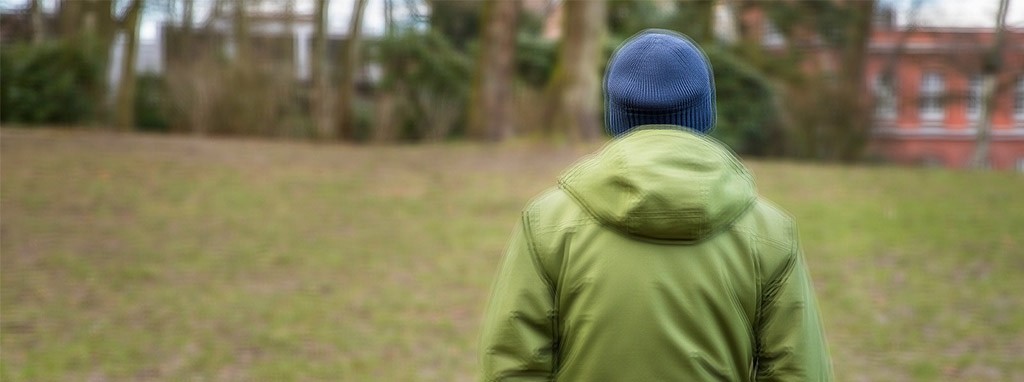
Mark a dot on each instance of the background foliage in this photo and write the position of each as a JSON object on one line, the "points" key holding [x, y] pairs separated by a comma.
{"points": [[52, 83], [414, 82]]}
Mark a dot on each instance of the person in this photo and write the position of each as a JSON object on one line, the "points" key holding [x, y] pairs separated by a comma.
{"points": [[655, 259]]}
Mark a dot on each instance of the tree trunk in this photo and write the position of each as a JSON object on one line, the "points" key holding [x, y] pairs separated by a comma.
{"points": [[86, 18], [97, 28], [389, 17], [187, 13], [183, 44], [576, 82], [216, 12], [349, 67], [707, 7], [125, 99], [852, 129], [385, 121], [992, 65], [38, 27], [491, 115], [385, 102], [242, 78], [99, 21], [69, 16], [321, 91], [889, 67], [979, 159], [240, 29]]}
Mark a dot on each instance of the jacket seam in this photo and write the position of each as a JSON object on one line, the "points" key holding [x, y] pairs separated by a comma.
{"points": [[534, 252], [565, 225], [770, 292], [551, 286], [765, 239], [759, 310]]}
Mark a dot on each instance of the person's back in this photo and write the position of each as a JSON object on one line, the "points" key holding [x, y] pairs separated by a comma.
{"points": [[654, 259]]}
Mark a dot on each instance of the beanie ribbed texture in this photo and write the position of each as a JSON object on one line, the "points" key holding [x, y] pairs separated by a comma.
{"points": [[659, 77]]}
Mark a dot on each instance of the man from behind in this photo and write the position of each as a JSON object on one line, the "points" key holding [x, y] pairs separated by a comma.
{"points": [[654, 259]]}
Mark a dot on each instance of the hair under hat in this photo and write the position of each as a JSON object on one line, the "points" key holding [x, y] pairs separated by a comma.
{"points": [[659, 77]]}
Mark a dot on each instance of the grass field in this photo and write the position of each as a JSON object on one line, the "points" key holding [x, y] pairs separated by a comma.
{"points": [[128, 258]]}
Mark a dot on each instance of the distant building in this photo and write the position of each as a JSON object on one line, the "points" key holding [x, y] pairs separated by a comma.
{"points": [[927, 112]]}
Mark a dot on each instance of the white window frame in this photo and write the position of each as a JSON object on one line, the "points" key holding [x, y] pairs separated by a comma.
{"points": [[973, 105], [885, 98], [931, 106]]}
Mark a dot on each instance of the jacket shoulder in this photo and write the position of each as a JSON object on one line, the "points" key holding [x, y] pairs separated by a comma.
{"points": [[775, 233], [554, 211], [548, 219]]}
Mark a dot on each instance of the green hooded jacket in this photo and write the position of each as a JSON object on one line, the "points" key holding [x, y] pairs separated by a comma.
{"points": [[654, 260]]}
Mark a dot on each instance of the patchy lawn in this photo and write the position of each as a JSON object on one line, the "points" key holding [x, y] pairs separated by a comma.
{"points": [[128, 257]]}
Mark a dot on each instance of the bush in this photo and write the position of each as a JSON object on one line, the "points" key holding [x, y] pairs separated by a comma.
{"points": [[209, 95], [53, 82], [535, 59], [431, 80], [747, 119], [151, 103]]}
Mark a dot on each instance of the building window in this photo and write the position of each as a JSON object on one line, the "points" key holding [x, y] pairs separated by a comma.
{"points": [[885, 97], [974, 97], [932, 89], [770, 36], [1018, 99]]}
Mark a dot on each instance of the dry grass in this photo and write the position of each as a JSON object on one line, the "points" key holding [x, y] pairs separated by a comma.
{"points": [[130, 257]]}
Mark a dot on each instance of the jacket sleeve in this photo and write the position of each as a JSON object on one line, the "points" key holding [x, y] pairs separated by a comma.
{"points": [[791, 339], [518, 337]]}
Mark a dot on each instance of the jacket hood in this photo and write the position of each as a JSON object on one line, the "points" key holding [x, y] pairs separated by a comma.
{"points": [[663, 183]]}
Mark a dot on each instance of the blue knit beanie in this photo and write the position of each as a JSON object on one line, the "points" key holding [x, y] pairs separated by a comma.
{"points": [[659, 77]]}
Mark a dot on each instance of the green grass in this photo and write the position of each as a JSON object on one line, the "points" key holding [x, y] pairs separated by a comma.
{"points": [[165, 258]]}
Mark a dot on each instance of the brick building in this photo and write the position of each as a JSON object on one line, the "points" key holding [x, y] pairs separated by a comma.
{"points": [[927, 112]]}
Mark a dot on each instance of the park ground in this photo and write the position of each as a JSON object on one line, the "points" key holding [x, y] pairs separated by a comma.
{"points": [[140, 257]]}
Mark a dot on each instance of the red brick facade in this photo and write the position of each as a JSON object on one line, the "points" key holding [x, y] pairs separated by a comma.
{"points": [[927, 117]]}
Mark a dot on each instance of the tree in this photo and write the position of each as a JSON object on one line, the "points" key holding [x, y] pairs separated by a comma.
{"points": [[349, 67], [94, 25], [576, 83], [321, 91], [826, 113], [491, 115], [851, 128], [384, 120], [69, 15], [458, 21], [990, 72], [35, 10], [240, 30], [125, 99], [187, 14]]}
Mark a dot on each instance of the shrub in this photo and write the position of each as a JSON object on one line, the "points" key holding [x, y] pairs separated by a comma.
{"points": [[535, 59], [151, 103], [747, 119], [53, 82], [431, 81]]}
